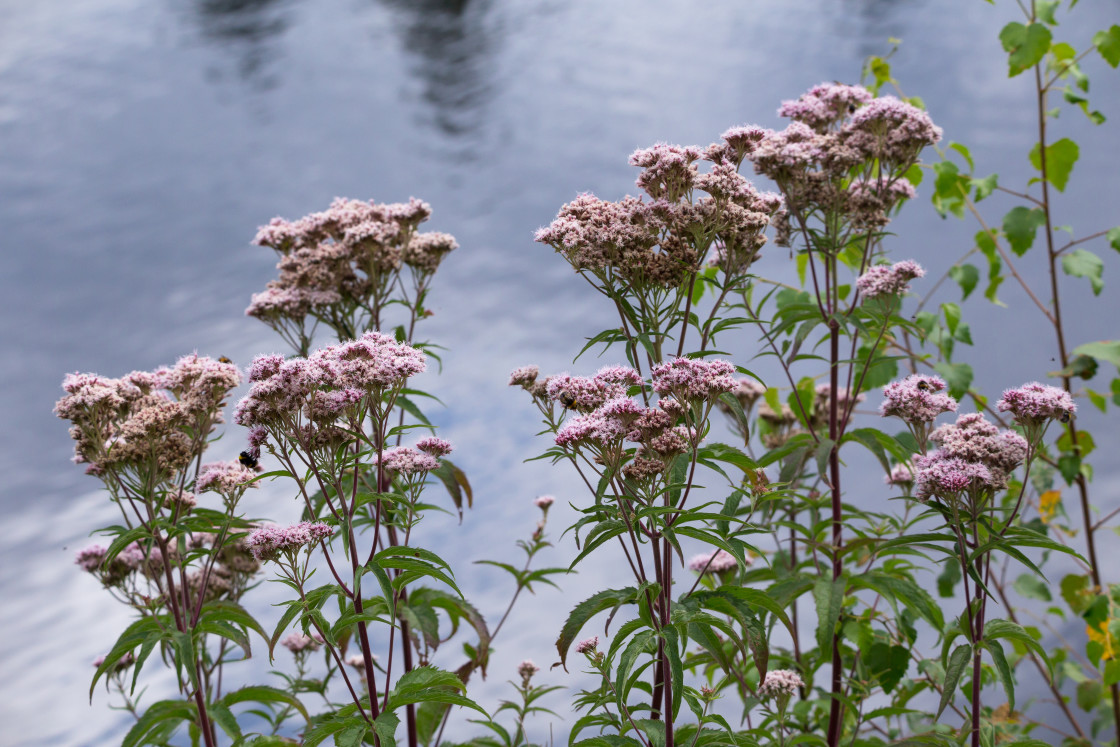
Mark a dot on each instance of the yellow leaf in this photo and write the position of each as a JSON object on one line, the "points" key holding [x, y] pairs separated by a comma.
{"points": [[1048, 504]]}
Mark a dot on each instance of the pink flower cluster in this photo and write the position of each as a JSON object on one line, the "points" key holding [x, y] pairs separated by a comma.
{"points": [[144, 418], [640, 244], [128, 560], [900, 476], [882, 280], [826, 105], [524, 376], [433, 446], [407, 461], [527, 669], [329, 383], [870, 202], [297, 643], [668, 171], [226, 478], [780, 682], [974, 456], [544, 501], [344, 254], [587, 393], [891, 131], [1033, 404], [836, 128], [270, 542], [587, 646], [948, 476], [604, 429], [716, 561], [426, 251], [916, 399], [691, 379]]}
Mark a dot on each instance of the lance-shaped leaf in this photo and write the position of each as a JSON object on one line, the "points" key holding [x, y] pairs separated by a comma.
{"points": [[609, 599]]}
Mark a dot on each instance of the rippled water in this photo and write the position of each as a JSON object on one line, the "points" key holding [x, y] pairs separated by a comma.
{"points": [[141, 143]]}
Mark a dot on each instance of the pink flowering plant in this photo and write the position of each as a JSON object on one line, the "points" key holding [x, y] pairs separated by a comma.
{"points": [[759, 593], [642, 439], [339, 422]]}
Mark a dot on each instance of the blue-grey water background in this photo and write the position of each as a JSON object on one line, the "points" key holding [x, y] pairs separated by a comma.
{"points": [[142, 143]]}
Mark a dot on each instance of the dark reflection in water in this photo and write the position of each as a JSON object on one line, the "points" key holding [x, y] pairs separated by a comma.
{"points": [[248, 29], [451, 45]]}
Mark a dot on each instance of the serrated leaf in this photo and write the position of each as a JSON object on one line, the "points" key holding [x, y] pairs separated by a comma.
{"points": [[888, 663], [967, 277], [1025, 45], [1105, 350], [608, 599], [1003, 670], [829, 597], [1032, 587], [953, 670], [957, 375], [1108, 44], [1020, 226], [1060, 158]]}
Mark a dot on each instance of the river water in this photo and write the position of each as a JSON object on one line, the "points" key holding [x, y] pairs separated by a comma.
{"points": [[142, 143]]}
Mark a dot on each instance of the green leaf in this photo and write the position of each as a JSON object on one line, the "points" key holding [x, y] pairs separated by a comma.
{"points": [[1084, 445], [1089, 695], [957, 375], [888, 663], [947, 580], [1075, 592], [1044, 9], [829, 597], [994, 629], [225, 719], [1032, 587], [430, 685], [1108, 44], [1025, 45], [1114, 238], [1105, 350], [963, 150], [166, 712], [1020, 226], [1060, 158], [985, 187], [609, 599], [1069, 465], [905, 590], [966, 276], [1004, 671], [953, 671], [265, 695]]}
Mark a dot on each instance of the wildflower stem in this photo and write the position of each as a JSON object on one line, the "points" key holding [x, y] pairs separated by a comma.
{"points": [[1056, 320], [835, 714]]}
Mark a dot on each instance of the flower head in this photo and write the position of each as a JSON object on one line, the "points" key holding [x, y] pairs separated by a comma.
{"points": [[717, 561], [433, 446], [882, 280], [1034, 404], [226, 478], [527, 669], [408, 461], [916, 399], [694, 378], [544, 501], [270, 542], [297, 643], [780, 682], [588, 645]]}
